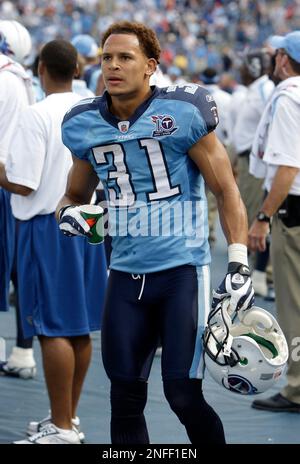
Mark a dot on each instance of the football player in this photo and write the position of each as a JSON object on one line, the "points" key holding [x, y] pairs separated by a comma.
{"points": [[153, 149]]}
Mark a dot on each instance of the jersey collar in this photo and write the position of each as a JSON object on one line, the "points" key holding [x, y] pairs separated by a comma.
{"points": [[113, 120]]}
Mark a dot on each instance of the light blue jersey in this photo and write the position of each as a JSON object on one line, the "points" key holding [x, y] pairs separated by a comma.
{"points": [[157, 203]]}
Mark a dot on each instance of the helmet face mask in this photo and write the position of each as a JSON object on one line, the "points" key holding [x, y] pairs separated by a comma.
{"points": [[245, 352]]}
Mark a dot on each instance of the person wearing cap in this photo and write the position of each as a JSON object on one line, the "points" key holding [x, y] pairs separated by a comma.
{"points": [[88, 50], [276, 157], [16, 93]]}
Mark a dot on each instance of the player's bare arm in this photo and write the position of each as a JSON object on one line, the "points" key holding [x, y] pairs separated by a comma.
{"points": [[82, 182], [10, 186], [212, 160]]}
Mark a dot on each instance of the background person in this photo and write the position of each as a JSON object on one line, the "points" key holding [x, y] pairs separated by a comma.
{"points": [[16, 93], [61, 282], [277, 141]]}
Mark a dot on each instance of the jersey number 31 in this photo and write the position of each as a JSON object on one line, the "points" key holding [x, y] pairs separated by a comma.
{"points": [[122, 193]]}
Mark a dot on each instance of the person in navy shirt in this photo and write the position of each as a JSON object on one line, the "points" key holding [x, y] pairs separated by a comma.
{"points": [[153, 149]]}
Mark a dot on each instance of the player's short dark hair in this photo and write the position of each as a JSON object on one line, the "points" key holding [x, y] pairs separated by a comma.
{"points": [[147, 38], [60, 59]]}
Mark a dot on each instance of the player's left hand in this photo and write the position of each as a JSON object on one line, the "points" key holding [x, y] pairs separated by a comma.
{"points": [[237, 285]]}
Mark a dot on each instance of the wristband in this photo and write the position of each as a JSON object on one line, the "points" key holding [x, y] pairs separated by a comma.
{"points": [[237, 252]]}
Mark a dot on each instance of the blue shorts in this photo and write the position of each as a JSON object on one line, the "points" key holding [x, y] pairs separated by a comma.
{"points": [[170, 305], [7, 246], [62, 280]]}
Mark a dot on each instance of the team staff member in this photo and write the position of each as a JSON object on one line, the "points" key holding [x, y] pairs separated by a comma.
{"points": [[254, 75], [151, 149], [278, 138], [16, 93], [61, 282]]}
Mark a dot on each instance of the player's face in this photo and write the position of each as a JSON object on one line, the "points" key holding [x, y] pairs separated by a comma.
{"points": [[125, 67]]}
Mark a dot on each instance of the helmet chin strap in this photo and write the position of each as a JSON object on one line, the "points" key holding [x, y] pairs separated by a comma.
{"points": [[227, 346]]}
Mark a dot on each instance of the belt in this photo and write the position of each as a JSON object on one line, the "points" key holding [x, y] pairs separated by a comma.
{"points": [[289, 211], [244, 153]]}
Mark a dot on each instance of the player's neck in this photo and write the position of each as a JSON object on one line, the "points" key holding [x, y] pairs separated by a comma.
{"points": [[124, 106], [54, 88]]}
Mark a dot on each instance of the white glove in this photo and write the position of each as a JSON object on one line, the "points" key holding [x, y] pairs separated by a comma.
{"points": [[237, 285], [71, 223]]}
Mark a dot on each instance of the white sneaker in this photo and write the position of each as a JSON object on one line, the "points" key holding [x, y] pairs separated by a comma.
{"points": [[20, 363], [259, 282], [52, 435], [21, 372], [36, 427]]}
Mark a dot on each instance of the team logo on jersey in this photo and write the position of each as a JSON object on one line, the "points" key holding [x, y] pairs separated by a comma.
{"points": [[165, 125], [123, 126]]}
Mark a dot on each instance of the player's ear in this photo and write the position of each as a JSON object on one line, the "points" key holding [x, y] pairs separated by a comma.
{"points": [[151, 66], [285, 65], [41, 68], [77, 71]]}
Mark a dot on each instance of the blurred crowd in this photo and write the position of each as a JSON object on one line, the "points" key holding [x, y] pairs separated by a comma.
{"points": [[195, 34]]}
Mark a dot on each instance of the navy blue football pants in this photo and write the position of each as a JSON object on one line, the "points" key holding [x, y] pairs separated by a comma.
{"points": [[139, 310]]}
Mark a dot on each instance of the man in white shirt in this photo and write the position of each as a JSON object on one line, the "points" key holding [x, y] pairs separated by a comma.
{"points": [[254, 74], [259, 88], [277, 142], [15, 94], [61, 289]]}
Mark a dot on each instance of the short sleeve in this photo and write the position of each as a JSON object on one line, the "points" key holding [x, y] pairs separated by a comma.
{"points": [[75, 135], [13, 100], [205, 118], [284, 136]]}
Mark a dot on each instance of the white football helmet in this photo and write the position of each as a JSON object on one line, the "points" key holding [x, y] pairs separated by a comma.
{"points": [[245, 351], [15, 40]]}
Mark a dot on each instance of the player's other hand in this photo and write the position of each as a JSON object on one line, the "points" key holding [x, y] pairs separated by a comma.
{"points": [[71, 223]]}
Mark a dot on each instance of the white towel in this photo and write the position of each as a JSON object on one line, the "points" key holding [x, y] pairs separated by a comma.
{"points": [[289, 87], [7, 64]]}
